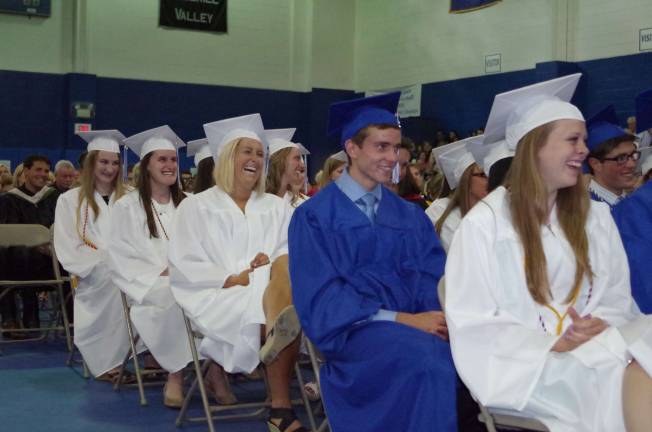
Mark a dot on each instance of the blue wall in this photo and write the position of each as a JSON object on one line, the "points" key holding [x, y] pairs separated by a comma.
{"points": [[35, 109]]}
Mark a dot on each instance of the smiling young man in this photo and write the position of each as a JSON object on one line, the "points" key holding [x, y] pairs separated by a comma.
{"points": [[611, 161], [32, 203], [372, 308]]}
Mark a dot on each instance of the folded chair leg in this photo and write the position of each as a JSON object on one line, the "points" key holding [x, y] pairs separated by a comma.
{"points": [[199, 381], [64, 315]]}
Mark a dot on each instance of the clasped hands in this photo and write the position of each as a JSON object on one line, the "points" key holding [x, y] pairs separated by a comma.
{"points": [[581, 330], [433, 322], [243, 278]]}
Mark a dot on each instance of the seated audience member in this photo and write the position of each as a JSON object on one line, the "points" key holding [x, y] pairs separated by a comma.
{"points": [[540, 316], [409, 188], [286, 176], [4, 169], [333, 168], [82, 235], [19, 178], [611, 160], [6, 182], [633, 217], [468, 182], [228, 265], [64, 176], [31, 203], [372, 307]]}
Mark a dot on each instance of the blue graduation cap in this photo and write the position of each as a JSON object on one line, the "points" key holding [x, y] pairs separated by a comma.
{"points": [[348, 117], [607, 114], [644, 111], [602, 131]]}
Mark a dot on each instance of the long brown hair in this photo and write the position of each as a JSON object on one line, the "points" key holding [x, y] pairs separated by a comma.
{"points": [[529, 211], [461, 197], [204, 177], [275, 172], [145, 193], [87, 185]]}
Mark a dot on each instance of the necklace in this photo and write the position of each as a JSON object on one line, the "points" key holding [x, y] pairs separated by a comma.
{"points": [[159, 222]]}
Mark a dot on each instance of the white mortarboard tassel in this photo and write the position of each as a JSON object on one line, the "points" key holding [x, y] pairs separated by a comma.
{"points": [[220, 133], [108, 140], [486, 155], [199, 149], [160, 138], [454, 159], [517, 112]]}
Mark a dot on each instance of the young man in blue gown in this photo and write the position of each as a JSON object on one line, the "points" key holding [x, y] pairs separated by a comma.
{"points": [[364, 266]]}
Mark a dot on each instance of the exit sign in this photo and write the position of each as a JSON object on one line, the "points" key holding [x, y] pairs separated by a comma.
{"points": [[83, 127]]}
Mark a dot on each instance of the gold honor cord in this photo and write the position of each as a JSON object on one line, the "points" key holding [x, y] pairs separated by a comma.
{"points": [[560, 317], [82, 235]]}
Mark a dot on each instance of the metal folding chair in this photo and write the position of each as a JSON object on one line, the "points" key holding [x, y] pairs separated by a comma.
{"points": [[491, 417], [29, 235], [72, 360], [133, 354], [212, 412], [316, 361]]}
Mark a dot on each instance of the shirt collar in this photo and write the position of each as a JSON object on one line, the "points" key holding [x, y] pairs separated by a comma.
{"points": [[604, 193], [354, 190]]}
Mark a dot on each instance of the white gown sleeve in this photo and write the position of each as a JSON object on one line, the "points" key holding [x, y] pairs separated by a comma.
{"points": [[497, 357], [75, 256], [134, 262], [281, 247]]}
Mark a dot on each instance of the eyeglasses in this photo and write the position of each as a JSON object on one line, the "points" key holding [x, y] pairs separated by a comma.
{"points": [[623, 158], [479, 174]]}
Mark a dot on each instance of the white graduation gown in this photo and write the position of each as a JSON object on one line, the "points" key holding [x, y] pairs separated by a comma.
{"points": [[214, 239], [100, 328], [137, 261], [436, 209], [501, 339], [449, 227]]}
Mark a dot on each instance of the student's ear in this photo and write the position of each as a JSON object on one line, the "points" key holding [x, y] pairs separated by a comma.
{"points": [[351, 149]]}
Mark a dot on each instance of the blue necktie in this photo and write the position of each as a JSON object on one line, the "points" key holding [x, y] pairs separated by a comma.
{"points": [[367, 201]]}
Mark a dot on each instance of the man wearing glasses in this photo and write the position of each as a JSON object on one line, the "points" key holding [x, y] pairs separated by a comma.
{"points": [[611, 162]]}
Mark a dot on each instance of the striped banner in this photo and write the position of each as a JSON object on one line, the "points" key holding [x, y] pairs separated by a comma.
{"points": [[461, 6]]}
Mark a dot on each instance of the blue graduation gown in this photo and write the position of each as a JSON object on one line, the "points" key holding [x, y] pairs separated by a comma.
{"points": [[634, 219], [379, 375]]}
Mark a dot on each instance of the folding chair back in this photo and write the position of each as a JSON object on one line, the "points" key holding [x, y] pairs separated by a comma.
{"points": [[32, 235]]}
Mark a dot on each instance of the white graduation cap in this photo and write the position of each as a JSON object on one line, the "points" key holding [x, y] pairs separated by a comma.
{"points": [[517, 112], [645, 162], [159, 138], [340, 156], [199, 149], [454, 159], [280, 139], [221, 132], [486, 155], [108, 140]]}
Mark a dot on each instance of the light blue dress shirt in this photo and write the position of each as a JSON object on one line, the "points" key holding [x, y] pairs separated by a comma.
{"points": [[354, 191]]}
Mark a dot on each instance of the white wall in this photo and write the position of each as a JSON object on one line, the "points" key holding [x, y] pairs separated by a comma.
{"points": [[37, 44], [332, 48], [606, 28]]}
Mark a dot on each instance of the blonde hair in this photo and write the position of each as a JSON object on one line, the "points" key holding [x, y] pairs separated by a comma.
{"points": [[529, 211], [224, 172], [87, 185], [330, 166], [461, 198], [18, 173]]}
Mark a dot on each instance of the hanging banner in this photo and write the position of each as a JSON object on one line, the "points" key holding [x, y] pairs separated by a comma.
{"points": [[204, 15], [410, 103], [461, 6]]}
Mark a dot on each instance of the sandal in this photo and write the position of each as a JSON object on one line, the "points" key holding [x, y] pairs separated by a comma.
{"points": [[287, 417], [285, 330]]}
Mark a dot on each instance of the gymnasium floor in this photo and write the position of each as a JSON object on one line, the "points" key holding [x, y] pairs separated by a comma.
{"points": [[38, 392]]}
